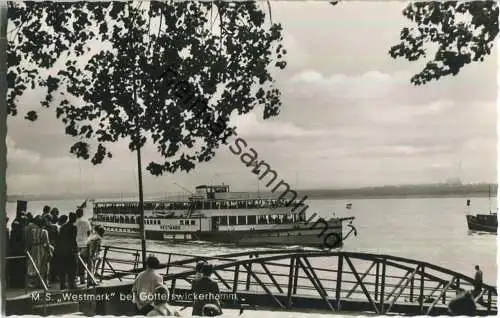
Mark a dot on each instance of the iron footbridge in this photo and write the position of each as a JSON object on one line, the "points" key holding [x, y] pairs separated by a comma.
{"points": [[297, 280]]}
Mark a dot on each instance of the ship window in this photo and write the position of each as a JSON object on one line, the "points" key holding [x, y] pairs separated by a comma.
{"points": [[252, 219], [223, 220], [193, 222], [232, 220], [181, 222], [242, 220], [262, 219]]}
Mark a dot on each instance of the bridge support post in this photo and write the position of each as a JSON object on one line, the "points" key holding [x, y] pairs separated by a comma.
{"points": [[296, 277], [172, 289], [291, 279], [412, 287], [235, 280], [421, 296], [249, 277], [489, 302], [377, 274], [338, 288], [104, 255], [382, 288]]}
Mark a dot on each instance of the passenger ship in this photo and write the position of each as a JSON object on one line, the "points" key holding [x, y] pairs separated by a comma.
{"points": [[215, 214]]}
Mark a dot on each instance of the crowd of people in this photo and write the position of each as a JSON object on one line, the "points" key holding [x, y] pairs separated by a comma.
{"points": [[151, 296], [46, 247]]}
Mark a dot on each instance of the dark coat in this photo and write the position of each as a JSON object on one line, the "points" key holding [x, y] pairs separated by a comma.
{"points": [[66, 241], [53, 233], [17, 239], [205, 287], [462, 305]]}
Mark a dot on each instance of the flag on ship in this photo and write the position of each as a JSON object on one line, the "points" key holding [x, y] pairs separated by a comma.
{"points": [[83, 205]]}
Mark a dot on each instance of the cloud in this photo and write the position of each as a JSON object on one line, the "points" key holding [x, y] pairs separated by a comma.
{"points": [[251, 127], [350, 117]]}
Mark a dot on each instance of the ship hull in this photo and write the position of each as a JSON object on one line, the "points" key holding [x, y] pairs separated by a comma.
{"points": [[482, 223], [328, 235]]}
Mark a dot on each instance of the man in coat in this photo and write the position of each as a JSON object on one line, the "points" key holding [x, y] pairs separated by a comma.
{"points": [[66, 253]]}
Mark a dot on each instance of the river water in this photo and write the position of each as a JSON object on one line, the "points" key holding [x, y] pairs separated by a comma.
{"points": [[427, 229]]}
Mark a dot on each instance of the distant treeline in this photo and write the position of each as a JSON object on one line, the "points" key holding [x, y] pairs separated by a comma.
{"points": [[427, 190]]}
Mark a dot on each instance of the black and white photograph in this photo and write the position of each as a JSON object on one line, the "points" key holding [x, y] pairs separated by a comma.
{"points": [[249, 158]]}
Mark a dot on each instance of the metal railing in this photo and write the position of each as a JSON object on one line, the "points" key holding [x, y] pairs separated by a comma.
{"points": [[44, 303], [42, 281], [125, 263]]}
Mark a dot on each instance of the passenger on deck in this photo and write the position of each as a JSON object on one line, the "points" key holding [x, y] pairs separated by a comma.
{"points": [[160, 303], [462, 305], [65, 253], [478, 281], [205, 291], [82, 233], [144, 286]]}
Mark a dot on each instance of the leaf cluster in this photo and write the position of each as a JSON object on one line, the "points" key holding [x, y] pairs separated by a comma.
{"points": [[122, 93], [463, 31]]}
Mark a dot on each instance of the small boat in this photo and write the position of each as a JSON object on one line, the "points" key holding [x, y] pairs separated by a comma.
{"points": [[348, 206], [482, 222]]}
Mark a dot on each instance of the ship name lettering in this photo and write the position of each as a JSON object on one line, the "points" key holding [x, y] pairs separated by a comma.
{"points": [[170, 227]]}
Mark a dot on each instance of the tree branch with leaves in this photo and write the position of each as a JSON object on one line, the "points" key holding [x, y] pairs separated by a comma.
{"points": [[464, 32], [230, 70]]}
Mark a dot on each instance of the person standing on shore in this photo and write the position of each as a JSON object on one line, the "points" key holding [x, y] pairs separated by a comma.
{"points": [[199, 269], [46, 210], [39, 249], [54, 213], [62, 220], [65, 253], [82, 234], [17, 267], [93, 249], [53, 231], [206, 292], [478, 281], [145, 285]]}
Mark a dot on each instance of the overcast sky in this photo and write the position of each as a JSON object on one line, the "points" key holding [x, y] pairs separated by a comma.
{"points": [[350, 118]]}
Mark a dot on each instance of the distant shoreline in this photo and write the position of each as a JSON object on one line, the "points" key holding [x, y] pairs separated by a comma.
{"points": [[310, 196]]}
